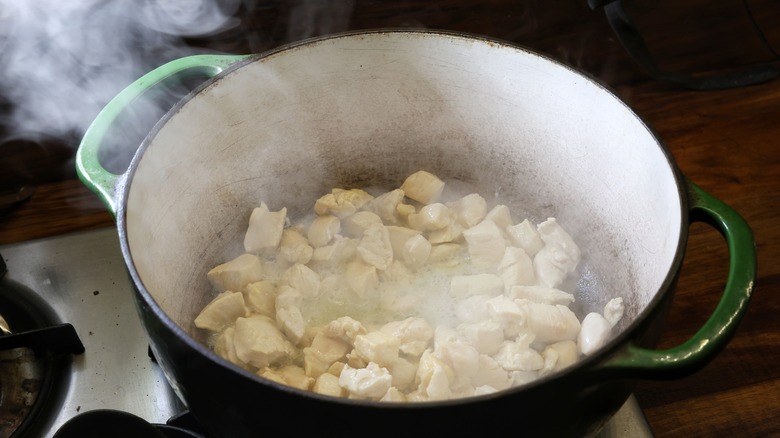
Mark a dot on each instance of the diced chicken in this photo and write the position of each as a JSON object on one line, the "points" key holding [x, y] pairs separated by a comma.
{"points": [[288, 313], [595, 332], [223, 346], [371, 382], [375, 247], [423, 187], [328, 384], [525, 236], [403, 372], [386, 206], [473, 309], [613, 311], [416, 251], [265, 229], [402, 211], [486, 244], [516, 268], [303, 279], [558, 356], [444, 253], [541, 294], [221, 312], [258, 342], [393, 395], [461, 357], [485, 336], [430, 217], [355, 225], [378, 347], [236, 273], [434, 377], [260, 297], [513, 356], [469, 210], [337, 253], [324, 351], [501, 215], [464, 286], [507, 313], [289, 375], [294, 247], [491, 374], [323, 229], [414, 333], [341, 203], [451, 233], [550, 323], [398, 237], [344, 328], [559, 256], [361, 277]]}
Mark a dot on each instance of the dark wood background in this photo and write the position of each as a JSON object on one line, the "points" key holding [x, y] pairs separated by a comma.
{"points": [[726, 141]]}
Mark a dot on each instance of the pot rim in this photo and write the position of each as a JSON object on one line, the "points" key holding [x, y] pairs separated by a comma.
{"points": [[614, 346]]}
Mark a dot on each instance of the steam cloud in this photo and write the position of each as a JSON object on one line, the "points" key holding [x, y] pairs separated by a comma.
{"points": [[61, 61]]}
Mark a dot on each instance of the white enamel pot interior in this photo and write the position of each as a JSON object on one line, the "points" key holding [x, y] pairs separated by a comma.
{"points": [[368, 110]]}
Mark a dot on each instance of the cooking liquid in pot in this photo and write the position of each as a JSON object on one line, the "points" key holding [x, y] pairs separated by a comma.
{"points": [[396, 296]]}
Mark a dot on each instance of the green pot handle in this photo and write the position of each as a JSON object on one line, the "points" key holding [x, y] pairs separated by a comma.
{"points": [[104, 183], [634, 362]]}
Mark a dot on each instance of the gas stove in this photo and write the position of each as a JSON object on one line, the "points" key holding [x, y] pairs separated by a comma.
{"points": [[80, 286]]}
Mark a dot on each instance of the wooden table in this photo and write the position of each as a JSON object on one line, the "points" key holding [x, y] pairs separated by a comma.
{"points": [[725, 141]]}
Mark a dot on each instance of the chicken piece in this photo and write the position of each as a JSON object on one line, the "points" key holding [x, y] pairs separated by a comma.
{"points": [[223, 346], [370, 382], [541, 294], [558, 356], [444, 254], [259, 343], [294, 247], [514, 356], [416, 251], [404, 372], [355, 225], [451, 233], [508, 314], [260, 297], [375, 247], [337, 253], [265, 229], [550, 323], [323, 229], [461, 357], [288, 313], [237, 273], [423, 187], [414, 335], [486, 244], [324, 351], [559, 256], [386, 206], [613, 311], [290, 375], [341, 203], [595, 332], [491, 374], [464, 286], [469, 210], [361, 277], [328, 384], [393, 395], [431, 217], [525, 236], [344, 328], [473, 309], [221, 312], [303, 279], [516, 268], [433, 377], [377, 347], [501, 215], [398, 237], [485, 336]]}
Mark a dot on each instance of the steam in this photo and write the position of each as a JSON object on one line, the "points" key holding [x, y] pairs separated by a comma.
{"points": [[61, 61]]}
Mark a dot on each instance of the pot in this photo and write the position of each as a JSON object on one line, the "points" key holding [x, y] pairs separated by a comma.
{"points": [[368, 109]]}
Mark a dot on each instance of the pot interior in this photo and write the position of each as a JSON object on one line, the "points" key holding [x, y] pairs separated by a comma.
{"points": [[370, 109]]}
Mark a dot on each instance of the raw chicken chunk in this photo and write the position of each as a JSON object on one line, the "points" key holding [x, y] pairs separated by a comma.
{"points": [[258, 342], [265, 229], [236, 273], [221, 312], [423, 187]]}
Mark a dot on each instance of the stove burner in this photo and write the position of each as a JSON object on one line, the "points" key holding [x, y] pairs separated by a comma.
{"points": [[32, 363]]}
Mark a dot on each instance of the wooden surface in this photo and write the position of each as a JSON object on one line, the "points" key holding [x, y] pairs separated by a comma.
{"points": [[725, 141]]}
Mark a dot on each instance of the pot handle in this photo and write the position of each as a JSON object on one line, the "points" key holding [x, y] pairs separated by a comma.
{"points": [[634, 362], [104, 183]]}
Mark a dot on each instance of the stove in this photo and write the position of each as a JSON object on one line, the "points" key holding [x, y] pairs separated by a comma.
{"points": [[81, 289]]}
